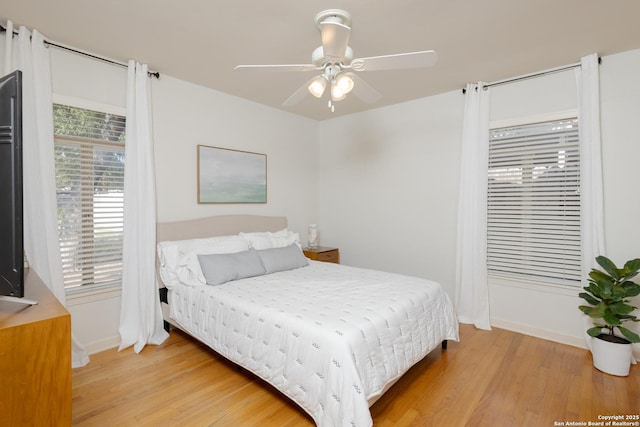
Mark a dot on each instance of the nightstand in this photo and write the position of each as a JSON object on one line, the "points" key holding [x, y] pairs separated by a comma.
{"points": [[322, 253]]}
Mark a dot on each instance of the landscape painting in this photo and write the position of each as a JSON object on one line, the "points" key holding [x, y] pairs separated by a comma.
{"points": [[231, 176]]}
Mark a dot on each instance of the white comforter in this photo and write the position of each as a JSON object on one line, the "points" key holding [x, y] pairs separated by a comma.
{"points": [[331, 337]]}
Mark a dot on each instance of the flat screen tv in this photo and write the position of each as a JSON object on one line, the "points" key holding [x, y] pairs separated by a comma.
{"points": [[11, 226]]}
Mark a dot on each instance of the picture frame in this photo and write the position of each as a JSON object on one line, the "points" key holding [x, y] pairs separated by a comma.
{"points": [[231, 176]]}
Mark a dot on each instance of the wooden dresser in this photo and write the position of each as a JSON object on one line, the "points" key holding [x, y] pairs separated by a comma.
{"points": [[322, 253], [35, 359]]}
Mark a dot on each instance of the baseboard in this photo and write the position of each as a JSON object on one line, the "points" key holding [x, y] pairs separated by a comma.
{"points": [[102, 345], [550, 335], [539, 333]]}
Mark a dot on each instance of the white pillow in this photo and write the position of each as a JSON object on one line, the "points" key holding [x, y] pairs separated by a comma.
{"points": [[179, 258], [168, 258], [258, 240], [267, 240]]}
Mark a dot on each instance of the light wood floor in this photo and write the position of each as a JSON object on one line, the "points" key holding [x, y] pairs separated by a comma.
{"points": [[491, 378]]}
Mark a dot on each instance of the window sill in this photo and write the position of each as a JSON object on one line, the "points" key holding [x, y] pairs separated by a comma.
{"points": [[84, 296], [534, 285]]}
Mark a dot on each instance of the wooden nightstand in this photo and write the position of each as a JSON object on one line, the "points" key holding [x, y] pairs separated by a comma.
{"points": [[322, 253]]}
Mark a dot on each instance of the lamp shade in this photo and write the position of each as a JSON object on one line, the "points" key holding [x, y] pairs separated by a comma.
{"points": [[317, 86], [344, 83]]}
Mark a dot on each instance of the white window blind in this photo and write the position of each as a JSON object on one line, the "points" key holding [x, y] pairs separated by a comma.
{"points": [[89, 156], [533, 229]]}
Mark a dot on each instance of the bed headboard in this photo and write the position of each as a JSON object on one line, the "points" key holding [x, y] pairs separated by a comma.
{"points": [[222, 225]]}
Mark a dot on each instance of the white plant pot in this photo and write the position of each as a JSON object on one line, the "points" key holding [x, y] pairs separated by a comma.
{"points": [[611, 358]]}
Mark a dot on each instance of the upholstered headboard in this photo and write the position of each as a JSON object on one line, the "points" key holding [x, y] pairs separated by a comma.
{"points": [[222, 225]]}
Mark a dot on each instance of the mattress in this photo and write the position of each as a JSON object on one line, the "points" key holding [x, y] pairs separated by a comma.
{"points": [[331, 337]]}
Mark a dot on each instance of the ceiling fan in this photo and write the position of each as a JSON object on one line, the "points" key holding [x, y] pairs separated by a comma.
{"points": [[337, 66]]}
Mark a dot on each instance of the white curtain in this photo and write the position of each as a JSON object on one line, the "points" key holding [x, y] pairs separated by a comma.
{"points": [[472, 292], [140, 314], [29, 55], [591, 188]]}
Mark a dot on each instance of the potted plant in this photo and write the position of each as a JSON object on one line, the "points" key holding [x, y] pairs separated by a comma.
{"points": [[608, 296]]}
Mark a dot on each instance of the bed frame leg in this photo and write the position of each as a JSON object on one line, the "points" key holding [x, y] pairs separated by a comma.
{"points": [[164, 299], [444, 344]]}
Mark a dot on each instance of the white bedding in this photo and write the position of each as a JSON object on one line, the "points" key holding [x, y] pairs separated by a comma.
{"points": [[331, 337]]}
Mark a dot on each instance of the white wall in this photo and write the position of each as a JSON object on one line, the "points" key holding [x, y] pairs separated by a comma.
{"points": [[186, 115], [389, 187], [620, 100]]}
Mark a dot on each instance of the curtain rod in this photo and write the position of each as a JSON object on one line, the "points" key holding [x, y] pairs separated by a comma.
{"points": [[532, 75], [155, 74]]}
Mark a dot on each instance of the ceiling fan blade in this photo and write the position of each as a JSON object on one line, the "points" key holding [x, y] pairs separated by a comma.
{"points": [[363, 90], [299, 94], [335, 38], [282, 67], [425, 58]]}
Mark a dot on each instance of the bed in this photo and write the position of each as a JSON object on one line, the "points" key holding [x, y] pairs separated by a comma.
{"points": [[332, 338]]}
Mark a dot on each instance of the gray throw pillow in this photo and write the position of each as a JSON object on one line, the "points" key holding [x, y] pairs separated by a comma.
{"points": [[282, 259], [222, 268]]}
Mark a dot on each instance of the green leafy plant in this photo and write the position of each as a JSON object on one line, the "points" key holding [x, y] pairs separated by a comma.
{"points": [[608, 296]]}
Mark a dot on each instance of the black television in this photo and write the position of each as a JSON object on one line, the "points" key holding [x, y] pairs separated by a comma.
{"points": [[11, 220]]}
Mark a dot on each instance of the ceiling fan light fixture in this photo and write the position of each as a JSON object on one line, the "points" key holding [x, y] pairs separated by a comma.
{"points": [[334, 59], [341, 85], [317, 86]]}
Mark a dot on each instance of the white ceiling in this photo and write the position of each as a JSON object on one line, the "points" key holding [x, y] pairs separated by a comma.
{"points": [[202, 40]]}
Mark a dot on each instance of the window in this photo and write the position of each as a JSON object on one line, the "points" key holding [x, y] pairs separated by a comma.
{"points": [[89, 157], [533, 228]]}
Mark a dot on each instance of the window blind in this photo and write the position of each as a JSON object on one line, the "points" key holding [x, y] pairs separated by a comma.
{"points": [[533, 212], [89, 156]]}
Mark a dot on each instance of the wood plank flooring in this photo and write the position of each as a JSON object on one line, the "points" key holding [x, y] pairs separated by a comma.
{"points": [[490, 378]]}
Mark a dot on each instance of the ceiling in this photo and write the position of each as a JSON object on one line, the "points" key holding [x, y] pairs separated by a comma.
{"points": [[201, 41]]}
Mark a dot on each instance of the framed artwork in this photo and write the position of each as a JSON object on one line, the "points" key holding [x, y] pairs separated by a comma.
{"points": [[231, 176]]}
